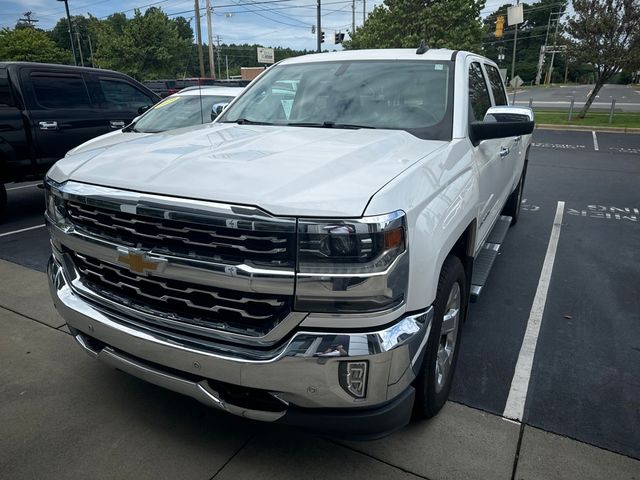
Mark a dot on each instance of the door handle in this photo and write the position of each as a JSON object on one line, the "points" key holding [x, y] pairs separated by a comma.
{"points": [[504, 151], [116, 124], [48, 125], [517, 139]]}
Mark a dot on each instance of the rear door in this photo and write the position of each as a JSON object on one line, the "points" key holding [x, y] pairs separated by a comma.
{"points": [[119, 99], [61, 113], [513, 160], [14, 143]]}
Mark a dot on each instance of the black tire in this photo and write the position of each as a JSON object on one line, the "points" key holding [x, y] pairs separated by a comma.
{"points": [[3, 199], [512, 207], [432, 390]]}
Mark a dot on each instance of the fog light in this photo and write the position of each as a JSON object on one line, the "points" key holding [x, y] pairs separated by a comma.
{"points": [[353, 378]]}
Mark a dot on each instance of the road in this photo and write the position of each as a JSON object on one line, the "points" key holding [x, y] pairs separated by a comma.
{"points": [[64, 415], [559, 97]]}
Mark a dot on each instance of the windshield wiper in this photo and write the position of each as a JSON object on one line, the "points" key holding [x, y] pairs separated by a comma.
{"points": [[246, 121], [328, 124]]}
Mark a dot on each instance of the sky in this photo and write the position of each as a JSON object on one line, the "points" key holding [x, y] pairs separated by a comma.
{"points": [[283, 23]]}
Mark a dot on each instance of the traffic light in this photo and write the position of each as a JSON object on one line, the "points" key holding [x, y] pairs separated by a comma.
{"points": [[322, 37], [499, 26], [338, 37]]}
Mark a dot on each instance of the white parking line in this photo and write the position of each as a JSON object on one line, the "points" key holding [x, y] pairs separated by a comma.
{"points": [[6, 234], [514, 408], [23, 186], [595, 140]]}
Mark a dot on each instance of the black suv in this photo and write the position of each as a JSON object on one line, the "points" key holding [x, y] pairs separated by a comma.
{"points": [[46, 110]]}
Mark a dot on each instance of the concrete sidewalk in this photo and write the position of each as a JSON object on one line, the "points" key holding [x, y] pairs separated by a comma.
{"points": [[65, 415]]}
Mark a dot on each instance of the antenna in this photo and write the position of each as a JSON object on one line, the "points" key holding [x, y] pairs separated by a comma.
{"points": [[422, 48]]}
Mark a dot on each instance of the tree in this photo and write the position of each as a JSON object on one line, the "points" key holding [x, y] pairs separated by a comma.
{"points": [[29, 45], [82, 28], [404, 23], [149, 45], [606, 35], [184, 28]]}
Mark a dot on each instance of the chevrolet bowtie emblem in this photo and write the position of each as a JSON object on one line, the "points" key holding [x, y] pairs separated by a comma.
{"points": [[138, 261]]}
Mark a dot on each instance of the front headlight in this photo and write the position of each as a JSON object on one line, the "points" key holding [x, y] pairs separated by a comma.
{"points": [[351, 265], [55, 206]]}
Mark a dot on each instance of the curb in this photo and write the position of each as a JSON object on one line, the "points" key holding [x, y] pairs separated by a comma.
{"points": [[584, 128]]}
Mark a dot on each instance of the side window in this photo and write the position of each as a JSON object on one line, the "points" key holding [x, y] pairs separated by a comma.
{"points": [[497, 87], [121, 95], [479, 100], [5, 92], [60, 90]]}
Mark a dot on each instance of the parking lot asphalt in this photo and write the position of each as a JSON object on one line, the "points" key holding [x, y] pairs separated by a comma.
{"points": [[67, 415]]}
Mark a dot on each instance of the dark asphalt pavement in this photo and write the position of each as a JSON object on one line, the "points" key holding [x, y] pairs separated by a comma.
{"points": [[585, 379]]}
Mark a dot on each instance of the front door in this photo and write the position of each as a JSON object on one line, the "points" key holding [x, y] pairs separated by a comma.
{"points": [[488, 156], [61, 112]]}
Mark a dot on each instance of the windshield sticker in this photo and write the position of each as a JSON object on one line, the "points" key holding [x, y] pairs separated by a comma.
{"points": [[439, 66], [167, 101]]}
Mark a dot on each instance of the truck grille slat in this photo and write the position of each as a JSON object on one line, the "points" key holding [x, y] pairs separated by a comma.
{"points": [[249, 313], [184, 238]]}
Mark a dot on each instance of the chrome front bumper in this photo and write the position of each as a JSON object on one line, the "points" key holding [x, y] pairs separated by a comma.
{"points": [[295, 378]]}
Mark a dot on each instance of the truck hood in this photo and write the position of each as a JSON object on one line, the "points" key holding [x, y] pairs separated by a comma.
{"points": [[105, 140], [283, 170]]}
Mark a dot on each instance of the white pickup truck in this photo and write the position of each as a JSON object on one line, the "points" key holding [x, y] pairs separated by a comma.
{"points": [[307, 258]]}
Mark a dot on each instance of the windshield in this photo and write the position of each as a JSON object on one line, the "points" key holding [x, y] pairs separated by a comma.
{"points": [[179, 111], [415, 96]]}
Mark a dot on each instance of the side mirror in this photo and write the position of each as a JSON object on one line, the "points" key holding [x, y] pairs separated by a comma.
{"points": [[217, 109], [143, 109], [502, 122]]}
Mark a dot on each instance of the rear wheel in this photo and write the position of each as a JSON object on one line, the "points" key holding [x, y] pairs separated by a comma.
{"points": [[435, 377]]}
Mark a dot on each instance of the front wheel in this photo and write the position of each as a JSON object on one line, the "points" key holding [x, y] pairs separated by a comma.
{"points": [[436, 375]]}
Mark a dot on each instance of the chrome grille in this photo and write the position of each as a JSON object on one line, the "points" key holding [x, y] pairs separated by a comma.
{"points": [[250, 314], [216, 238]]}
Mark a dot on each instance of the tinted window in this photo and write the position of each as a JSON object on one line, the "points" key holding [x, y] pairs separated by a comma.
{"points": [[122, 95], [479, 100], [5, 93], [60, 91], [403, 95], [497, 88]]}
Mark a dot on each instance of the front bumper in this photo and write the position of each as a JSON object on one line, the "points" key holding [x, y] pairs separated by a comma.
{"points": [[297, 382]]}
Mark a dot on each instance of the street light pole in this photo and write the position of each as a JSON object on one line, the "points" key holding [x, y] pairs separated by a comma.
{"points": [[73, 49]]}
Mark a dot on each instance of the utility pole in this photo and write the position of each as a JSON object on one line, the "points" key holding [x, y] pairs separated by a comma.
{"points": [[218, 56], [353, 17], [28, 20], [319, 29], [90, 49], [226, 62], [553, 52], [199, 35], [80, 48], [364, 11], [73, 48], [212, 67]]}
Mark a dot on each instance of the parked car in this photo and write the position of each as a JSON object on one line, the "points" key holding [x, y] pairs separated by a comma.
{"points": [[163, 87], [308, 258], [189, 108], [46, 110]]}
